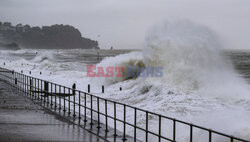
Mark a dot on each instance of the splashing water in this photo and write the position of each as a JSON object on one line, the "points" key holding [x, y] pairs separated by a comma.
{"points": [[199, 83]]}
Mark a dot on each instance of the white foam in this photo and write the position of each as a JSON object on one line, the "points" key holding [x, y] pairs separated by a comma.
{"points": [[199, 84]]}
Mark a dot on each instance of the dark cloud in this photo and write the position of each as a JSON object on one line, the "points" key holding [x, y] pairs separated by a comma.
{"points": [[123, 23]]}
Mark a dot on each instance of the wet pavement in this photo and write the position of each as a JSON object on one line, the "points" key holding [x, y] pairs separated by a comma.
{"points": [[23, 120]]}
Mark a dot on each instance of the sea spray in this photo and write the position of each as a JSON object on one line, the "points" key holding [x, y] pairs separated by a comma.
{"points": [[43, 56], [124, 60], [198, 79], [199, 84], [192, 59]]}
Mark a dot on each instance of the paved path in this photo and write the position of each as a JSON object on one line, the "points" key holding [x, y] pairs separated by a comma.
{"points": [[22, 120]]}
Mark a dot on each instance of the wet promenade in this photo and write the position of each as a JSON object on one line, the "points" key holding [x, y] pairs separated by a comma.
{"points": [[23, 120]]}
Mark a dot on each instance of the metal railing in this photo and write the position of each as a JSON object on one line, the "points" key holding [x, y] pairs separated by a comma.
{"points": [[64, 98]]}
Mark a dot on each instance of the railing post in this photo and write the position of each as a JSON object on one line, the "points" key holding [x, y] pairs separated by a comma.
{"points": [[48, 96], [41, 89], [55, 96], [31, 84], [46, 89], [85, 107], [38, 85], [27, 79], [14, 76], [159, 128], [51, 92], [34, 88], [15, 81], [25, 85], [106, 115], [69, 101], [210, 136], [22, 82], [74, 89], [18, 80], [19, 85], [64, 109], [174, 129], [135, 124], [88, 88], [60, 98], [91, 110], [115, 119], [146, 126], [74, 97], [124, 122], [191, 133], [79, 105], [98, 113]]}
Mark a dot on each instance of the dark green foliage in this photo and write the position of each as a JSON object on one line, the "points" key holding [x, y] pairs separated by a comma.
{"points": [[47, 37]]}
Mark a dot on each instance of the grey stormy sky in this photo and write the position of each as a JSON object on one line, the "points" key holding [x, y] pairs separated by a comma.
{"points": [[124, 23]]}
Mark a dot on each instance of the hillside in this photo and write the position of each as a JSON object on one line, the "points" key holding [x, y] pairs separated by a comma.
{"points": [[47, 37]]}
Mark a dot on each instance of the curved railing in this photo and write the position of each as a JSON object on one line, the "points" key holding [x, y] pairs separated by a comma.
{"points": [[84, 105]]}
